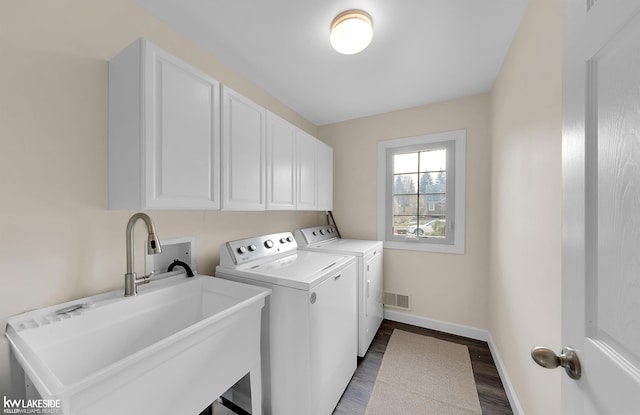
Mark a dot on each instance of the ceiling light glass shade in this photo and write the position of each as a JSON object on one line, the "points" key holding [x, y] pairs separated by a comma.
{"points": [[351, 32]]}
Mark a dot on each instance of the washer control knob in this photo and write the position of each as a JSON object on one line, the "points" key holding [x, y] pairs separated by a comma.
{"points": [[252, 247], [242, 250], [314, 233], [283, 240], [268, 243], [321, 232], [289, 238]]}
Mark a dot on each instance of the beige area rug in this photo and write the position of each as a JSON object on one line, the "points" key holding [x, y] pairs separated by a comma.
{"points": [[423, 375]]}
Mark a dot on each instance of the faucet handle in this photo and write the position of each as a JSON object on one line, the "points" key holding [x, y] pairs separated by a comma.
{"points": [[145, 279]]}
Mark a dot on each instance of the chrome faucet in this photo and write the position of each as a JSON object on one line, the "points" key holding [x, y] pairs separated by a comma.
{"points": [[131, 280]]}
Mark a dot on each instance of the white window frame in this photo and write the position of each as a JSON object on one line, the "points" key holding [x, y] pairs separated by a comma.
{"points": [[455, 224]]}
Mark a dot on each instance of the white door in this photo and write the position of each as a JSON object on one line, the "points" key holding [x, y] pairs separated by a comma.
{"points": [[307, 172], [601, 205], [281, 164], [325, 176], [243, 152], [182, 160]]}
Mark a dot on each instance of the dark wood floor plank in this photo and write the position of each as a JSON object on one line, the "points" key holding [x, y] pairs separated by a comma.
{"points": [[493, 399]]}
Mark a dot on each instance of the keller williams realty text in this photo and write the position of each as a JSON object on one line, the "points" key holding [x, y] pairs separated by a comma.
{"points": [[31, 406]]}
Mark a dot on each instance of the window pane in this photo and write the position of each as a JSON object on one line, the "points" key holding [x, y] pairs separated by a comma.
{"points": [[432, 204], [441, 181], [405, 163], [434, 160], [401, 223], [405, 205], [405, 184], [429, 226], [433, 182]]}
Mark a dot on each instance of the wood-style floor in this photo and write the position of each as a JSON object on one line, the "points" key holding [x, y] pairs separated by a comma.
{"points": [[493, 399]]}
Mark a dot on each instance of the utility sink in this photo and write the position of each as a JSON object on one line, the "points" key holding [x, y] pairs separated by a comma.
{"points": [[172, 349]]}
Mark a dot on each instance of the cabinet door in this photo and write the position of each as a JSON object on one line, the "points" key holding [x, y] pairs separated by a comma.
{"points": [[325, 177], [164, 134], [307, 172], [243, 153], [182, 134], [281, 164]]}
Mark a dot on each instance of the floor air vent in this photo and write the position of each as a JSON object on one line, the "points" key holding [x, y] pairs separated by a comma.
{"points": [[396, 300]]}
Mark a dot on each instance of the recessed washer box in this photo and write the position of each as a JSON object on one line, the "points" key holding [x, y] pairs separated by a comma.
{"points": [[183, 249]]}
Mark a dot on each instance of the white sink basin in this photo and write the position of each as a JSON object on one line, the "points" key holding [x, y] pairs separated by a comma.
{"points": [[173, 348]]}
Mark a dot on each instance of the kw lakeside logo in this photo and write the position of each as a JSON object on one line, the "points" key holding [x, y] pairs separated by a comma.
{"points": [[31, 406]]}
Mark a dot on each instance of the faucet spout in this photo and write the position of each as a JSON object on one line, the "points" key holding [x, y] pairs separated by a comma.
{"points": [[153, 247]]}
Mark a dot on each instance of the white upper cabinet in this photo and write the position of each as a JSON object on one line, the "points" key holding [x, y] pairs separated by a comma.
{"points": [[325, 176], [164, 132], [307, 171], [281, 164], [180, 140], [315, 173], [299, 168], [243, 153]]}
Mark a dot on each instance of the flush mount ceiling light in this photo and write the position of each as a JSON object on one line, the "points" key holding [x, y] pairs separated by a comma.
{"points": [[351, 31]]}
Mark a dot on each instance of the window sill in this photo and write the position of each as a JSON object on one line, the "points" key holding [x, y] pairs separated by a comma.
{"points": [[424, 247]]}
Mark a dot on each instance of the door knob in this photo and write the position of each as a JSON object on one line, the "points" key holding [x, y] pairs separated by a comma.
{"points": [[568, 359]]}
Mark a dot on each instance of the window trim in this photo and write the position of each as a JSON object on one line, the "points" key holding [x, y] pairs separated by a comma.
{"points": [[458, 138]]}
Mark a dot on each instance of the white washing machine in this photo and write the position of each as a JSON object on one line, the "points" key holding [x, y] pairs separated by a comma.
{"points": [[309, 326], [369, 274]]}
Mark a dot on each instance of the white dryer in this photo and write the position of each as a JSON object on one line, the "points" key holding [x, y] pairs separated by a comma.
{"points": [[369, 274], [309, 336]]}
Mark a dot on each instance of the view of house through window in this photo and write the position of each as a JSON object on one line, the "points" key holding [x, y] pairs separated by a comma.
{"points": [[420, 193]]}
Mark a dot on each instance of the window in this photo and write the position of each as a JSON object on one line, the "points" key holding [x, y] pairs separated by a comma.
{"points": [[421, 192]]}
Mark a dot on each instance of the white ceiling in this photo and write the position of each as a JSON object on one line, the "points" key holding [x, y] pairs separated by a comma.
{"points": [[423, 51]]}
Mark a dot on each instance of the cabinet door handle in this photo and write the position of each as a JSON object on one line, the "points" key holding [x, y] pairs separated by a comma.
{"points": [[337, 276]]}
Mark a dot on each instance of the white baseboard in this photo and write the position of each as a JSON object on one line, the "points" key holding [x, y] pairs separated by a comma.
{"points": [[465, 331], [502, 371], [427, 323]]}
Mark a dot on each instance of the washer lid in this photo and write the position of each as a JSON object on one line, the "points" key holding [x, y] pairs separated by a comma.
{"points": [[355, 247], [302, 270]]}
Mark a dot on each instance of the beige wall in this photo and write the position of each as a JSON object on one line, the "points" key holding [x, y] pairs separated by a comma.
{"points": [[446, 287], [58, 240], [525, 274]]}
